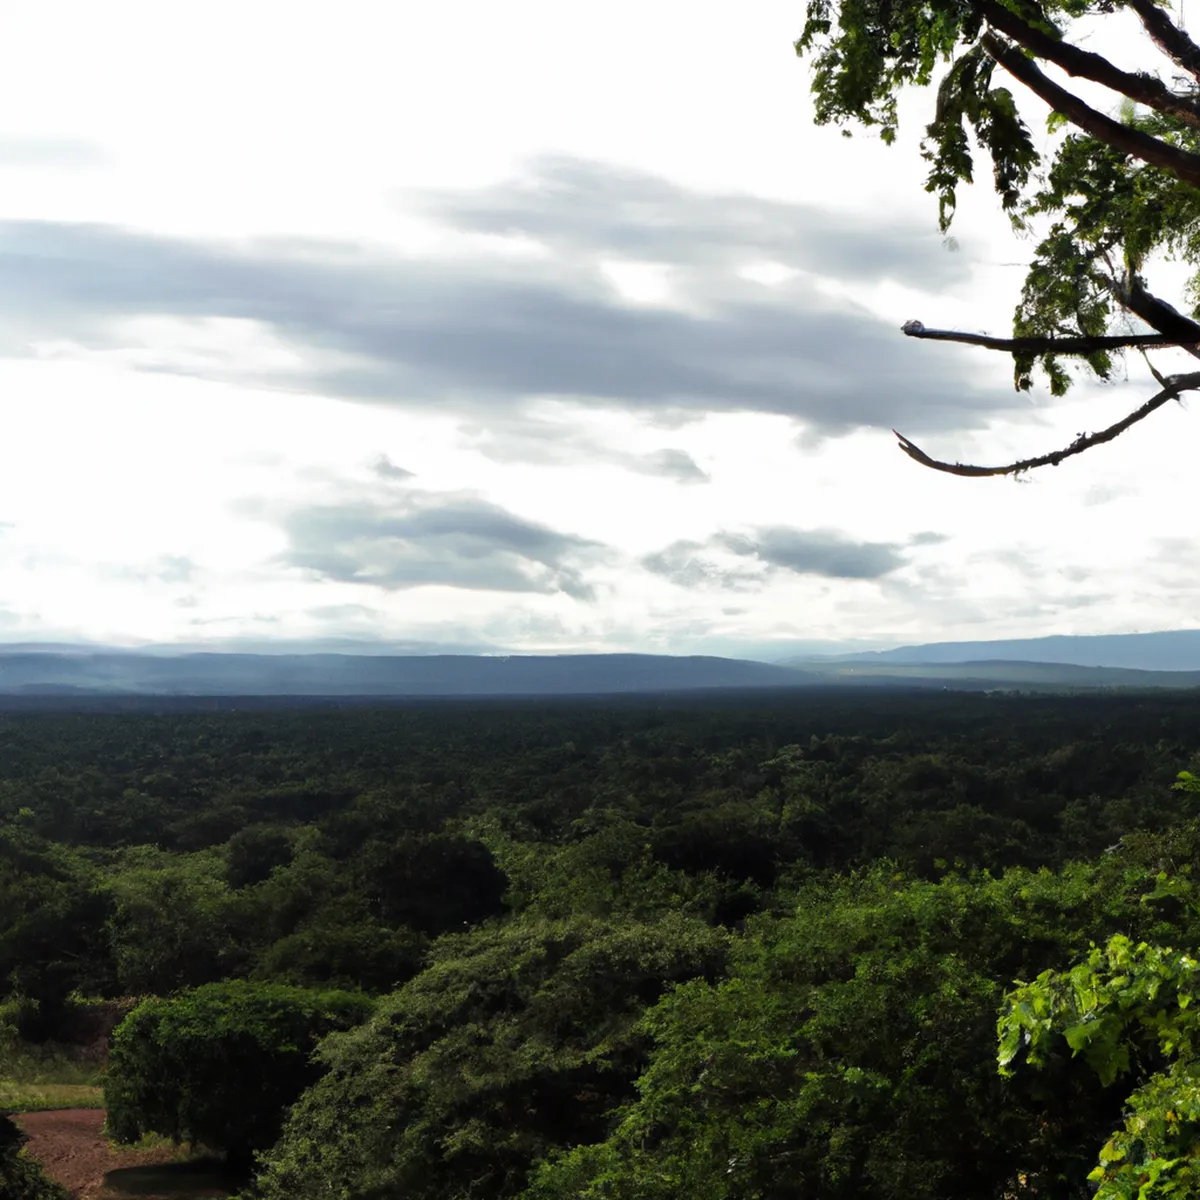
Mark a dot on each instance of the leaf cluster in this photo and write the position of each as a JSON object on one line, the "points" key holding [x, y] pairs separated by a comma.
{"points": [[1126, 1008]]}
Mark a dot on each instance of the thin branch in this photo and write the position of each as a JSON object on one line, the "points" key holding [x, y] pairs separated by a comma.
{"points": [[1045, 345], [1158, 376], [1184, 166], [1174, 386], [1168, 36], [1145, 89]]}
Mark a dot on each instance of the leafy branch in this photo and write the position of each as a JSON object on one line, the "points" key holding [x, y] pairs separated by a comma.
{"points": [[1128, 139]]}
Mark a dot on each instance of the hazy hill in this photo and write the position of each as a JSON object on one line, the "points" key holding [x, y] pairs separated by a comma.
{"points": [[23, 673], [1003, 674], [1170, 650], [78, 675]]}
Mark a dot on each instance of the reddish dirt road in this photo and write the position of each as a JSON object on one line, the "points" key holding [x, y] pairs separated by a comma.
{"points": [[71, 1148]]}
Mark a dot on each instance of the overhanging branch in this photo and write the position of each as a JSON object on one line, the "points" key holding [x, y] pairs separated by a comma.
{"points": [[1168, 36], [1173, 387], [1131, 293], [1181, 164], [1145, 89], [1047, 345]]}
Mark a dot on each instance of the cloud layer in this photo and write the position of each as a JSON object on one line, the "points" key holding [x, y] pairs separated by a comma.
{"points": [[483, 332], [772, 550]]}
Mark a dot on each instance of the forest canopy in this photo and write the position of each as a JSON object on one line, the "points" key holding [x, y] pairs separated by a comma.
{"points": [[741, 947]]}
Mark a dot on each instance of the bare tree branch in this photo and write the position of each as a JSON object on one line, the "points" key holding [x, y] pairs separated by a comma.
{"points": [[1145, 89], [1045, 345], [1173, 387], [1168, 36], [1181, 164]]}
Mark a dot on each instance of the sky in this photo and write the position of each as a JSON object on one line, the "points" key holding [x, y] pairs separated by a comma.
{"points": [[528, 328]]}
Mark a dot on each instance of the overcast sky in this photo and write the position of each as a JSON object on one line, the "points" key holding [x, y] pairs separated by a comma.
{"points": [[528, 327]]}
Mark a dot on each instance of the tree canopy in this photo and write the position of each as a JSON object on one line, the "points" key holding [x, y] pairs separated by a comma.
{"points": [[727, 946], [1119, 189]]}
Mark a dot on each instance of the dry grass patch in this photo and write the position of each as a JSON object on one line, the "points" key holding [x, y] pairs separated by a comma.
{"points": [[42, 1097]]}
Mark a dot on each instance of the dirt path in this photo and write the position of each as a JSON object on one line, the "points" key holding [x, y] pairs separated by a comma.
{"points": [[70, 1146]]}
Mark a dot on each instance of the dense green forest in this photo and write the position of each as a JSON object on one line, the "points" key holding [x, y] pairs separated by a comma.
{"points": [[733, 946]]}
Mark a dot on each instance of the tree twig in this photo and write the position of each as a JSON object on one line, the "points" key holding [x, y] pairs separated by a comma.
{"points": [[1174, 386]]}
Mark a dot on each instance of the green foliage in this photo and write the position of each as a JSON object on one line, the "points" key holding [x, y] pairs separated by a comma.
{"points": [[966, 100], [1126, 1008], [1107, 211], [865, 54], [600, 854], [20, 1177], [175, 923], [608, 866], [52, 916], [847, 1053], [1101, 205], [512, 1041], [1187, 782], [430, 883], [315, 848], [254, 852], [219, 1065], [15, 1014], [344, 946]]}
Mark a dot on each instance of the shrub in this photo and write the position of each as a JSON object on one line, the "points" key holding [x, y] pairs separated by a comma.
{"points": [[220, 1065], [21, 1178]]}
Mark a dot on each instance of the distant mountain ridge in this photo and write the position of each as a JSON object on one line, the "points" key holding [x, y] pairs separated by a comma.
{"points": [[1167, 650], [83, 675], [214, 674]]}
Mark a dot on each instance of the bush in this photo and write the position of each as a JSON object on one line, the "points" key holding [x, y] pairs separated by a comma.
{"points": [[21, 1178], [12, 1013], [220, 1065]]}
